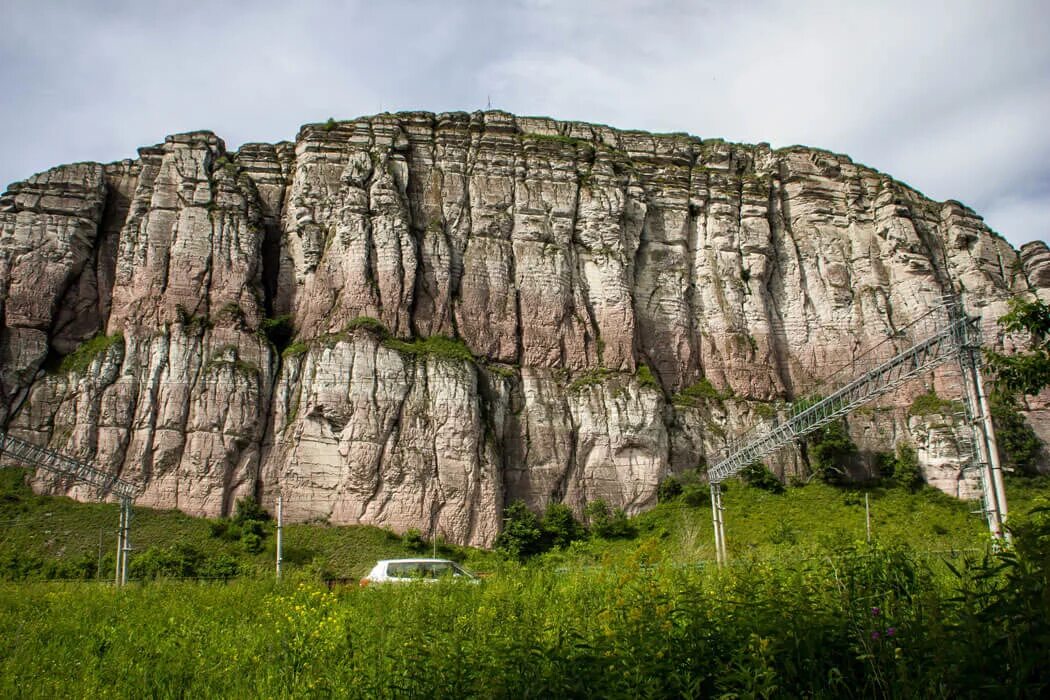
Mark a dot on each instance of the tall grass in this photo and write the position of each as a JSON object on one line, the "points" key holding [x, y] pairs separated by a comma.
{"points": [[862, 621]]}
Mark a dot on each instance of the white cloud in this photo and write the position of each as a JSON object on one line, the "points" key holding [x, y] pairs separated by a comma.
{"points": [[951, 97]]}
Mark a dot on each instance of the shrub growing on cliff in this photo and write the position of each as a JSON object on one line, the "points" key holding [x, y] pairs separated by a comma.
{"points": [[80, 359], [278, 330], [931, 404], [295, 349], [373, 325], [646, 377], [436, 346], [699, 393]]}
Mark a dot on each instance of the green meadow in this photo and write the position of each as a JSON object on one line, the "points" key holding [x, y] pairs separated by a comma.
{"points": [[807, 607]]}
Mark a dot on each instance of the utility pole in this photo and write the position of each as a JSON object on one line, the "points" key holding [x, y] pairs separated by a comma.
{"points": [[993, 447], [979, 416], [125, 540], [120, 544], [280, 525], [867, 517], [718, 522], [98, 569]]}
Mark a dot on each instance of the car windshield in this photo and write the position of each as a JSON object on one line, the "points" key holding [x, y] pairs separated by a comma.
{"points": [[422, 569]]}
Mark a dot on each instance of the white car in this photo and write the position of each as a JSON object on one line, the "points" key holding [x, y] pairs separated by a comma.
{"points": [[408, 570]]}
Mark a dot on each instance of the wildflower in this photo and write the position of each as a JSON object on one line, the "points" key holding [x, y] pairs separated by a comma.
{"points": [[875, 612], [890, 631], [875, 634]]}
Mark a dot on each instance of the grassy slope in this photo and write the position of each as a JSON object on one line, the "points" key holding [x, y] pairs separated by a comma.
{"points": [[61, 529], [797, 523]]}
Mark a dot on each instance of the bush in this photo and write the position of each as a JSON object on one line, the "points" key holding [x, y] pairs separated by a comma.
{"points": [[223, 566], [1019, 446], [686, 485], [830, 452], [223, 529], [177, 561], [906, 471], [758, 476], [522, 535], [697, 495], [413, 540], [607, 523], [252, 542], [560, 526], [670, 488], [525, 534], [248, 508]]}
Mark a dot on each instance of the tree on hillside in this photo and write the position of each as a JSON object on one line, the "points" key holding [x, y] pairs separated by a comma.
{"points": [[1026, 372], [830, 451], [1022, 373]]}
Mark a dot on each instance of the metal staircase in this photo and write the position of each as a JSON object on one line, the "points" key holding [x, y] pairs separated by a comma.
{"points": [[57, 463], [957, 338], [39, 457], [911, 363]]}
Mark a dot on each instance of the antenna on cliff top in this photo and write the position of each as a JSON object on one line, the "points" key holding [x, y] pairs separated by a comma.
{"points": [[488, 99]]}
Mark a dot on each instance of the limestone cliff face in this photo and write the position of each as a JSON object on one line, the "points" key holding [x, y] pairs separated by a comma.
{"points": [[212, 324]]}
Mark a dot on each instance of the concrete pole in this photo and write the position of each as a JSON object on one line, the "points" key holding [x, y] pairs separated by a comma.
{"points": [[716, 519], [125, 538], [991, 501], [714, 522], [280, 525], [120, 545], [993, 448], [867, 517], [722, 526]]}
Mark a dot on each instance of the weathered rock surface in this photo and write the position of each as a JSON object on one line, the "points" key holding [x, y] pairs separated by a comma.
{"points": [[565, 256]]}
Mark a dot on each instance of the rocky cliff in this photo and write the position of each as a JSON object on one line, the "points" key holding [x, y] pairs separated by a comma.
{"points": [[412, 319]]}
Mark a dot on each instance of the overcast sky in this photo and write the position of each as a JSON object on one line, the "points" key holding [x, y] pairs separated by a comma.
{"points": [[951, 97]]}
